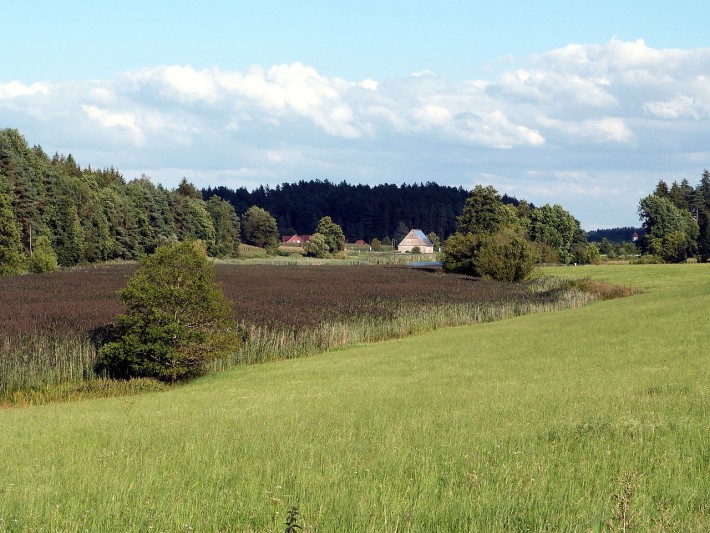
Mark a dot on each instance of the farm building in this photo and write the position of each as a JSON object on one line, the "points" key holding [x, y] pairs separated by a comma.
{"points": [[295, 239], [416, 238]]}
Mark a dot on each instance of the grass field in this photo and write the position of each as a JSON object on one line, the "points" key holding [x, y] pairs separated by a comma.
{"points": [[592, 419]]}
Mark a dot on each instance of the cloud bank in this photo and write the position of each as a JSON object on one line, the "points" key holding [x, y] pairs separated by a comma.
{"points": [[590, 126]]}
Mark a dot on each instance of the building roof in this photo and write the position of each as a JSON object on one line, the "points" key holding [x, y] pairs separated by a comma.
{"points": [[416, 237]]}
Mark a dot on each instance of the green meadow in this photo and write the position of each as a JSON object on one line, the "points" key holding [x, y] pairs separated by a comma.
{"points": [[592, 419]]}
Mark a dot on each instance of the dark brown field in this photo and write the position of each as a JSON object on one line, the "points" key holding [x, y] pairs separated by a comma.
{"points": [[290, 297]]}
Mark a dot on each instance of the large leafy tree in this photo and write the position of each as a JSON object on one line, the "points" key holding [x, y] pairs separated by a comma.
{"points": [[259, 229], [176, 319], [192, 220], [483, 212], [670, 232], [556, 227], [332, 233], [226, 227]]}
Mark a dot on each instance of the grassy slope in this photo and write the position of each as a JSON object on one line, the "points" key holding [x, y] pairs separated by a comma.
{"points": [[540, 421]]}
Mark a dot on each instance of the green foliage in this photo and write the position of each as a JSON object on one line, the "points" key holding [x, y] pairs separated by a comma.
{"points": [[176, 319], [43, 258], [545, 253], [505, 256], [399, 233], [226, 226], [192, 220], [585, 254], [259, 229], [68, 233], [416, 250], [332, 233], [317, 246], [483, 212], [555, 226], [188, 190], [435, 240], [376, 244], [671, 233], [460, 253], [12, 260]]}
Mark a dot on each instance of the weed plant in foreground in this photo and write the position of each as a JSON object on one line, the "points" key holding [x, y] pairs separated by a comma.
{"points": [[51, 324], [593, 419]]}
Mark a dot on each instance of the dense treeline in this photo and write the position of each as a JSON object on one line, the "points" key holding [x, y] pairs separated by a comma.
{"points": [[363, 211], [87, 215], [614, 235], [676, 221]]}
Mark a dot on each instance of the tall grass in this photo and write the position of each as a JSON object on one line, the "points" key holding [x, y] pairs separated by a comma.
{"points": [[265, 344], [34, 360]]}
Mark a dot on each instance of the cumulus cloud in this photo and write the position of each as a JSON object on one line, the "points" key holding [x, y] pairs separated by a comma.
{"points": [[580, 110]]}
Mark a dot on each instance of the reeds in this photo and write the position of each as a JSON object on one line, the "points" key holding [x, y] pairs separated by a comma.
{"points": [[51, 324]]}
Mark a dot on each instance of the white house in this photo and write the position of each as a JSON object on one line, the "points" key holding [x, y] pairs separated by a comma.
{"points": [[416, 238]]}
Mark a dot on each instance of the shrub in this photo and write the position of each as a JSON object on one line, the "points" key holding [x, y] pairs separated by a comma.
{"points": [[546, 253], [459, 252], [416, 250], [316, 246], [176, 318], [43, 258], [505, 256]]}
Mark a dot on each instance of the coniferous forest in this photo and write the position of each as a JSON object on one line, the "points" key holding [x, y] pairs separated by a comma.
{"points": [[363, 211]]}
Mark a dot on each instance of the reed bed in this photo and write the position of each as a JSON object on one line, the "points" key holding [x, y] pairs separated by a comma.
{"points": [[51, 326]]}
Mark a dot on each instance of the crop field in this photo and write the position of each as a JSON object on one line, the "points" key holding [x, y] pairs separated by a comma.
{"points": [[51, 323], [587, 419]]}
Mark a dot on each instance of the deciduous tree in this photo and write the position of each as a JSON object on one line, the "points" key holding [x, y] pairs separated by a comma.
{"points": [[176, 319], [259, 229], [332, 233]]}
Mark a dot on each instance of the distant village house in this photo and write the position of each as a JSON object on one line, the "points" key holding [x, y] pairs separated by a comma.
{"points": [[295, 239], [416, 239]]}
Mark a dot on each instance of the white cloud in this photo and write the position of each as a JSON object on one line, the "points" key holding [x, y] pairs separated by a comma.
{"points": [[15, 89], [621, 109], [679, 107]]}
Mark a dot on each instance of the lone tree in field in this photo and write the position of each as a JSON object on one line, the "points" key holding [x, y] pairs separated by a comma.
{"points": [[332, 233], [176, 319]]}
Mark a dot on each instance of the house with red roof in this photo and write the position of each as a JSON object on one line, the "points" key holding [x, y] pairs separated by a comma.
{"points": [[295, 239]]}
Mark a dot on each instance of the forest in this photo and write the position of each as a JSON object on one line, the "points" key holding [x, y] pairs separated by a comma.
{"points": [[86, 215], [363, 211]]}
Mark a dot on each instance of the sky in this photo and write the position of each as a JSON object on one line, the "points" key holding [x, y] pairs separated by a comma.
{"points": [[584, 104]]}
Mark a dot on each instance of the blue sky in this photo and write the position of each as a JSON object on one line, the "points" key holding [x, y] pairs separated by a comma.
{"points": [[586, 104]]}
